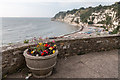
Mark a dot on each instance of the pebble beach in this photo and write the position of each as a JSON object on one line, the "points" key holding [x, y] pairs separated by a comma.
{"points": [[87, 31]]}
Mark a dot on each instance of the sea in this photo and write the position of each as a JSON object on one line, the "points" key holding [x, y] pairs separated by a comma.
{"points": [[15, 30]]}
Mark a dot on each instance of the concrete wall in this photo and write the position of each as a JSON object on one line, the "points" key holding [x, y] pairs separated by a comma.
{"points": [[13, 59]]}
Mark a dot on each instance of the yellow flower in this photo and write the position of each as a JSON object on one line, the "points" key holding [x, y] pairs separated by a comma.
{"points": [[37, 45], [50, 48], [55, 45], [40, 43], [32, 52], [53, 51], [44, 44]]}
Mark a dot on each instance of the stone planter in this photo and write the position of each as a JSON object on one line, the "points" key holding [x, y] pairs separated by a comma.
{"points": [[41, 66]]}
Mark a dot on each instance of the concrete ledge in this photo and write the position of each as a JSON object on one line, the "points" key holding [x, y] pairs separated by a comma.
{"points": [[12, 58], [91, 65]]}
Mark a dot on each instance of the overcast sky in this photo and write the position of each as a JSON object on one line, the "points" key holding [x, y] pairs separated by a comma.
{"points": [[44, 8]]}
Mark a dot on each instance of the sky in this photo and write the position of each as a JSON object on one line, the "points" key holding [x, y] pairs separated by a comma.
{"points": [[44, 8]]}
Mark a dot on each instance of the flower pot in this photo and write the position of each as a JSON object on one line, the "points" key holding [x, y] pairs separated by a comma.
{"points": [[41, 66]]}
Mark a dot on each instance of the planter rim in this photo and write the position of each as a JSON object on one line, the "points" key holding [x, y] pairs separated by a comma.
{"points": [[39, 57]]}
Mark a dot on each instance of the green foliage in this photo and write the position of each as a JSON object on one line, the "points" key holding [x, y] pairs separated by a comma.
{"points": [[103, 27], [106, 29], [60, 14], [115, 31], [108, 20], [90, 22], [93, 18], [90, 7], [118, 11], [10, 43], [85, 14], [26, 41], [42, 49], [72, 11], [82, 8], [98, 8], [86, 21], [102, 22], [116, 7]]}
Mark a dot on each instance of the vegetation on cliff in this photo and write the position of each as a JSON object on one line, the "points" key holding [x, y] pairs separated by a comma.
{"points": [[108, 16]]}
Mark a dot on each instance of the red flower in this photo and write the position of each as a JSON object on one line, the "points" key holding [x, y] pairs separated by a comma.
{"points": [[47, 52], [42, 54], [46, 45], [44, 51], [49, 45]]}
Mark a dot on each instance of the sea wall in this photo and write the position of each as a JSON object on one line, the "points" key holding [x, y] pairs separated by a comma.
{"points": [[13, 59]]}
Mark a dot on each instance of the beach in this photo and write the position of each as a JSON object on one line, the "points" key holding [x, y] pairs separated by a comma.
{"points": [[88, 31]]}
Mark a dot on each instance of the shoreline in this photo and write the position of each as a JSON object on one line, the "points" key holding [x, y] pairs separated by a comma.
{"points": [[76, 34], [9, 42], [85, 31], [80, 29], [30, 40]]}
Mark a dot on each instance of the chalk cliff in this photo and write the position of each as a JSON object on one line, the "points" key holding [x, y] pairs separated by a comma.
{"points": [[107, 17]]}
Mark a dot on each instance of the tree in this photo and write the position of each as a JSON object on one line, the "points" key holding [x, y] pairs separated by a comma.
{"points": [[90, 22], [82, 8], [108, 20]]}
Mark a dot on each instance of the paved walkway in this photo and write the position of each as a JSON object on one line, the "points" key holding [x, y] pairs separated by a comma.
{"points": [[91, 65]]}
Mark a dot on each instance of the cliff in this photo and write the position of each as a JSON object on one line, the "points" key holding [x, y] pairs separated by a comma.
{"points": [[107, 17]]}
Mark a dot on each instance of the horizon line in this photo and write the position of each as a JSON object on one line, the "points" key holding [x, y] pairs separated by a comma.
{"points": [[24, 17]]}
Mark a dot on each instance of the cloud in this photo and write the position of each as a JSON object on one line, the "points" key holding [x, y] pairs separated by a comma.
{"points": [[43, 8], [35, 1]]}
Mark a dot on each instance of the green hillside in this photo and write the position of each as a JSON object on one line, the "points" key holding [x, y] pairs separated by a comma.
{"points": [[109, 16]]}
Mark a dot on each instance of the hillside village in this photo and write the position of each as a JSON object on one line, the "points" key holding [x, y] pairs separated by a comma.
{"points": [[107, 17]]}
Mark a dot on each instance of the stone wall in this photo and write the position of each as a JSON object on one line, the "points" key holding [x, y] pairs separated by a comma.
{"points": [[86, 45], [13, 59]]}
